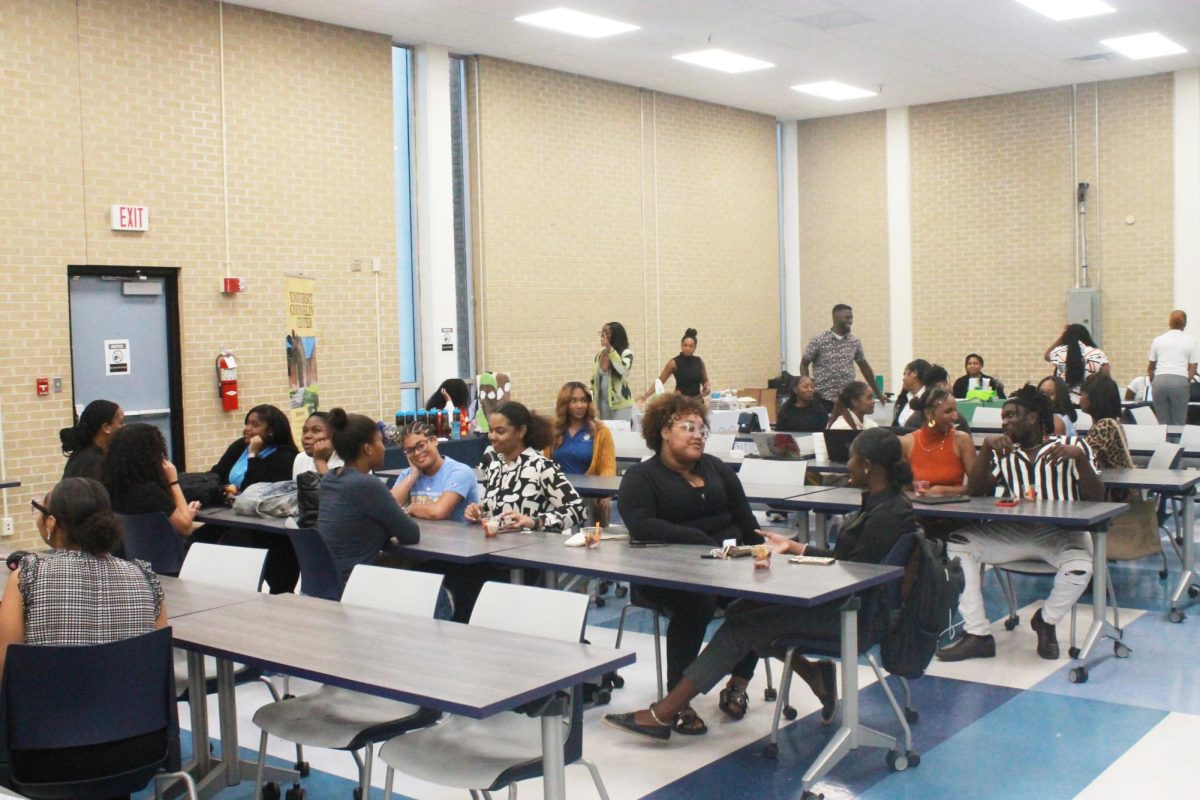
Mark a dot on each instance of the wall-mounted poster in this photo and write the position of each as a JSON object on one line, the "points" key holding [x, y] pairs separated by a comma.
{"points": [[301, 340]]}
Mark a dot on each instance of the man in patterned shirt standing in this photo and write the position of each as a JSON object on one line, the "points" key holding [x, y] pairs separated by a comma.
{"points": [[1025, 460], [833, 354]]}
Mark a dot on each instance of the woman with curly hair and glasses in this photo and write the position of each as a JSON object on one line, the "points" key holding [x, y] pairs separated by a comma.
{"points": [[683, 495], [141, 480]]}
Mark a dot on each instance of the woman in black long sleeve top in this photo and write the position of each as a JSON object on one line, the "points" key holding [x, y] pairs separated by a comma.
{"points": [[683, 496], [877, 466], [264, 454]]}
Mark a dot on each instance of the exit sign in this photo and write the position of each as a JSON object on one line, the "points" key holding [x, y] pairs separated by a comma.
{"points": [[130, 218]]}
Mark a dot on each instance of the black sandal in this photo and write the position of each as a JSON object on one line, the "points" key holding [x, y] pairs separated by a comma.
{"points": [[734, 702], [688, 723], [659, 731]]}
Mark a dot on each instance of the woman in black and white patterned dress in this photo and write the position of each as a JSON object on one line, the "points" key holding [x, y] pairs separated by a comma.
{"points": [[522, 487]]}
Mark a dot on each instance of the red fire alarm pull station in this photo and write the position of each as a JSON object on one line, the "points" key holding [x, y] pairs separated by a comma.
{"points": [[231, 286], [43, 387]]}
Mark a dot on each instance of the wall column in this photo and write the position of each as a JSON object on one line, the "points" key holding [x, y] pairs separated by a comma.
{"points": [[433, 174], [789, 208], [899, 214], [1187, 193]]}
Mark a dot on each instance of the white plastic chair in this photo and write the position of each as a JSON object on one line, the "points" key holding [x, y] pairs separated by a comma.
{"points": [[340, 719], [225, 566], [986, 418], [1143, 415], [774, 473], [481, 755], [618, 425], [630, 444], [1145, 435], [1190, 438]]}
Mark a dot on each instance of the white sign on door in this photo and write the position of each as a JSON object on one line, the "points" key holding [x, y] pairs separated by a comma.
{"points": [[116, 357]]}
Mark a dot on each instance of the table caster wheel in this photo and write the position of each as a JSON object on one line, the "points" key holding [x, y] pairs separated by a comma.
{"points": [[1078, 675], [1073, 652], [811, 796], [789, 713], [296, 793], [618, 682], [1120, 650], [600, 602], [357, 793], [601, 697], [302, 767], [911, 715], [897, 762], [1194, 592], [770, 750], [270, 791], [1176, 615], [770, 694], [1011, 623], [621, 591], [1162, 574]]}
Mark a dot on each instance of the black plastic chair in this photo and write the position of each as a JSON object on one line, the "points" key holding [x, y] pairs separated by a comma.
{"points": [[117, 731], [882, 601], [319, 575], [151, 538]]}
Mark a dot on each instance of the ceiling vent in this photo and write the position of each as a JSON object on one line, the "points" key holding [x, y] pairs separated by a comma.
{"points": [[833, 19], [1094, 57]]}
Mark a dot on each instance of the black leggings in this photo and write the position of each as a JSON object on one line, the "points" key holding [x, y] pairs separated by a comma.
{"points": [[689, 614]]}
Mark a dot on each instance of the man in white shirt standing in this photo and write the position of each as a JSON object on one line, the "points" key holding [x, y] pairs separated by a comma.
{"points": [[1026, 458], [1172, 366]]}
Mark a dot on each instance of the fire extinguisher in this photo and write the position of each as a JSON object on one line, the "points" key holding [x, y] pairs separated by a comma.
{"points": [[227, 381]]}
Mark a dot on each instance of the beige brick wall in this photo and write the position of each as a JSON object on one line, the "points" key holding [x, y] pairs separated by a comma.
{"points": [[843, 229], [598, 199], [125, 107]]}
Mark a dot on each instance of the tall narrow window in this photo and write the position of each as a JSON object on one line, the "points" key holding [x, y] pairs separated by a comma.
{"points": [[408, 312], [464, 286]]}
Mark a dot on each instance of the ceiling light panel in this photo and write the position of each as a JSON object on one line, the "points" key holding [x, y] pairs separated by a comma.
{"points": [[577, 23], [833, 90], [724, 61], [1144, 45], [1059, 10]]}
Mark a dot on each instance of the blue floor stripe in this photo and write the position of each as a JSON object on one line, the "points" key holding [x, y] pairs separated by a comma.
{"points": [[946, 706], [1036, 746]]}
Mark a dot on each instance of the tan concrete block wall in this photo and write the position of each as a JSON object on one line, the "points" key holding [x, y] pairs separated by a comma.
{"points": [[992, 217], [125, 108], [572, 230], [843, 229]]}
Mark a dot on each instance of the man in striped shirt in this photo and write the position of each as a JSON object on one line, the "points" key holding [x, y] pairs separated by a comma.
{"points": [[1025, 458]]}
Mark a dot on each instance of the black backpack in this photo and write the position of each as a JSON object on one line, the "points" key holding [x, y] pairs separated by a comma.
{"points": [[929, 597], [205, 487]]}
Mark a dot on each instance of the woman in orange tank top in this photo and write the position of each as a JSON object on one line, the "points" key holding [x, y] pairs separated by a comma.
{"points": [[939, 454]]}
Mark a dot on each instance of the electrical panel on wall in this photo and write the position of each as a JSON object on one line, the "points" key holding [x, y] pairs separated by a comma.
{"points": [[1083, 307]]}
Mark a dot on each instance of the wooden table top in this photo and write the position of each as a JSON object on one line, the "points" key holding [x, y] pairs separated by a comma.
{"points": [[461, 669]]}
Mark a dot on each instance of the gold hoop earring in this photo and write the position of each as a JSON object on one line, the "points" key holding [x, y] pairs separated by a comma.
{"points": [[930, 423]]}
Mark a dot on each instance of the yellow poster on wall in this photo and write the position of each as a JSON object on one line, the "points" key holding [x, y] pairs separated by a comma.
{"points": [[301, 340]]}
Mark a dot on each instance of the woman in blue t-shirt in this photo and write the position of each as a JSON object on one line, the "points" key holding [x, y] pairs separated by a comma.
{"points": [[582, 445], [434, 486]]}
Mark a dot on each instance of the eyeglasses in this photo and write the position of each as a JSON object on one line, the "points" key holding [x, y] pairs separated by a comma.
{"points": [[419, 447], [41, 509], [692, 429]]}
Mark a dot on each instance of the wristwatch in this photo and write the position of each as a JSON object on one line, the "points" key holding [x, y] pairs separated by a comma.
{"points": [[538, 524]]}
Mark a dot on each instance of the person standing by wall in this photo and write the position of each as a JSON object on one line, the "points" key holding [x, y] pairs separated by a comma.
{"points": [[1172, 366], [833, 354], [610, 373]]}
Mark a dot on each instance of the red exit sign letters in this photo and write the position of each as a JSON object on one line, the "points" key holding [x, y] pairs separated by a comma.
{"points": [[130, 218]]}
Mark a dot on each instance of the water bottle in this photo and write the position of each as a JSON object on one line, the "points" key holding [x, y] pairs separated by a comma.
{"points": [[455, 424]]}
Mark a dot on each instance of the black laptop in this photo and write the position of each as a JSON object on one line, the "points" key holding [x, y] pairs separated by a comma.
{"points": [[837, 444]]}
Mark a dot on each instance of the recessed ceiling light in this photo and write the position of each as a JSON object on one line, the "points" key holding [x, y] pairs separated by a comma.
{"points": [[834, 90], [723, 60], [1144, 45], [577, 23], [1059, 10]]}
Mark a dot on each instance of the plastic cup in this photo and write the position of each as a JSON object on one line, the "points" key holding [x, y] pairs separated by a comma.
{"points": [[591, 536], [762, 556], [491, 527], [922, 487]]}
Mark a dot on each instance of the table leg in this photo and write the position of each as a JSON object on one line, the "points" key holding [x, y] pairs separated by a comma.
{"points": [[227, 705], [822, 529], [198, 710], [851, 735], [1188, 577], [1100, 627], [554, 778]]}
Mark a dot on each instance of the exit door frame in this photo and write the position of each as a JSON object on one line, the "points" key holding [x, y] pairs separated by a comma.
{"points": [[170, 279]]}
